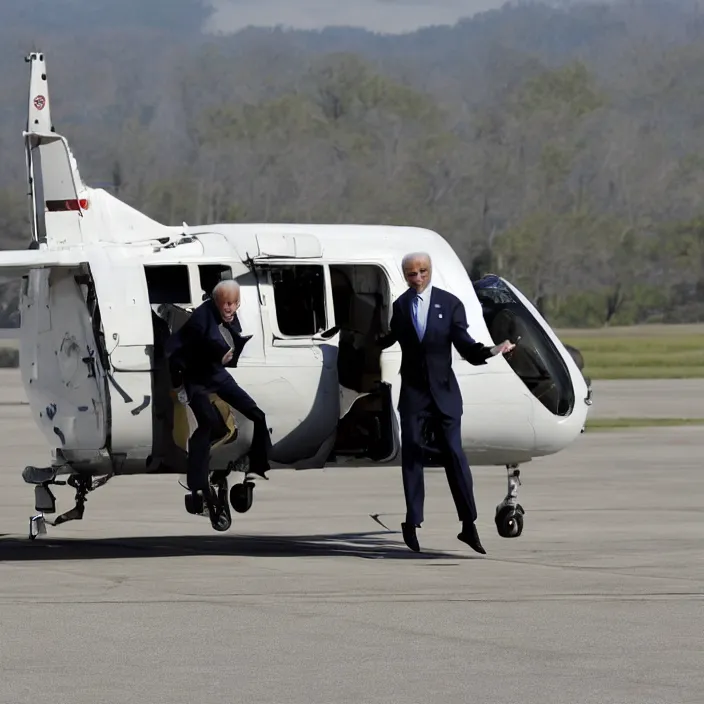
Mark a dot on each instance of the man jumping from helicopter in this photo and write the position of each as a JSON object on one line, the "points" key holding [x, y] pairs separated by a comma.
{"points": [[199, 354], [428, 322]]}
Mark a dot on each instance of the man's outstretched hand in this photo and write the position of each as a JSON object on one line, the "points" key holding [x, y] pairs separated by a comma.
{"points": [[502, 348]]}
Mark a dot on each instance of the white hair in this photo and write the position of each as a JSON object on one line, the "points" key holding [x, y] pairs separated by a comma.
{"points": [[225, 285], [412, 256]]}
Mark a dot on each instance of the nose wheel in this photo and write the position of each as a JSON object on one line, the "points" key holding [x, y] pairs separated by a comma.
{"points": [[509, 521], [509, 513]]}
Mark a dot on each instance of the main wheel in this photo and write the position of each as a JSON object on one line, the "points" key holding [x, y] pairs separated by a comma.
{"points": [[509, 521], [224, 520], [242, 496], [220, 507]]}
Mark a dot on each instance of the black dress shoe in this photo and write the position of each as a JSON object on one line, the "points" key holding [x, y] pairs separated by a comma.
{"points": [[470, 536], [409, 536]]}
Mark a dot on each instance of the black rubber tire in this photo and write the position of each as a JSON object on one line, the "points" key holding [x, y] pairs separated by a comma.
{"points": [[242, 496]]}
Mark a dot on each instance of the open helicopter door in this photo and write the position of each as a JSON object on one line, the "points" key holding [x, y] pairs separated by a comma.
{"points": [[127, 346], [300, 347], [540, 360], [60, 367]]}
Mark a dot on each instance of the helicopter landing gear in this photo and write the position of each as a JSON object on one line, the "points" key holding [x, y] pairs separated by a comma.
{"points": [[45, 501], [242, 494], [211, 503], [37, 526], [509, 513], [215, 504]]}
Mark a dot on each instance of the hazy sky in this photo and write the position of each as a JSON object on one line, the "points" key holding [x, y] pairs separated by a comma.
{"points": [[393, 16]]}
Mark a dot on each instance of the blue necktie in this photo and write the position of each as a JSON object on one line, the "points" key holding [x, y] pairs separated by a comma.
{"points": [[417, 323]]}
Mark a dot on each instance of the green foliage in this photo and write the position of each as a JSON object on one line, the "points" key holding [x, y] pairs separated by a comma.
{"points": [[290, 116], [556, 163], [347, 88], [14, 219], [570, 90], [172, 201], [641, 355], [683, 243], [621, 423]]}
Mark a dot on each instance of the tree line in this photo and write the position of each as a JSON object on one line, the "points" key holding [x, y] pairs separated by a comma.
{"points": [[578, 182]]}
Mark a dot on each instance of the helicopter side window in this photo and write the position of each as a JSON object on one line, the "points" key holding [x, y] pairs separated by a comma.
{"points": [[168, 284], [211, 275], [299, 296]]}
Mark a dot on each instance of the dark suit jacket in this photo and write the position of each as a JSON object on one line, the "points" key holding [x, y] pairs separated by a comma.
{"points": [[195, 352], [426, 367]]}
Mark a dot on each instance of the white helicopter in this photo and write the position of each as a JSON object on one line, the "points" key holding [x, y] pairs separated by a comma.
{"points": [[103, 285]]}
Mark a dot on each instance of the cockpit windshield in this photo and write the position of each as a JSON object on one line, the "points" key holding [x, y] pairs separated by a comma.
{"points": [[535, 358]]}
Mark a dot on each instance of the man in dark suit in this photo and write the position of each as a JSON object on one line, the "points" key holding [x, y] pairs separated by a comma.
{"points": [[427, 322], [199, 354]]}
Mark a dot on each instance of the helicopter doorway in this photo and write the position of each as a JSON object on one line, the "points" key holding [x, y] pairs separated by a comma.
{"points": [[362, 302], [175, 290]]}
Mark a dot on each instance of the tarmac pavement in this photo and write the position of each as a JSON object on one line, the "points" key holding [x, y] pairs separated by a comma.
{"points": [[307, 600]]}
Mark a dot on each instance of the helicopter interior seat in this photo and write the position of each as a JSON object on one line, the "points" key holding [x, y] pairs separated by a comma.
{"points": [[348, 353], [366, 320]]}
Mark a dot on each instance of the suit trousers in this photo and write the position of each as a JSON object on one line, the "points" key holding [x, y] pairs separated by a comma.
{"points": [[459, 477], [206, 415]]}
